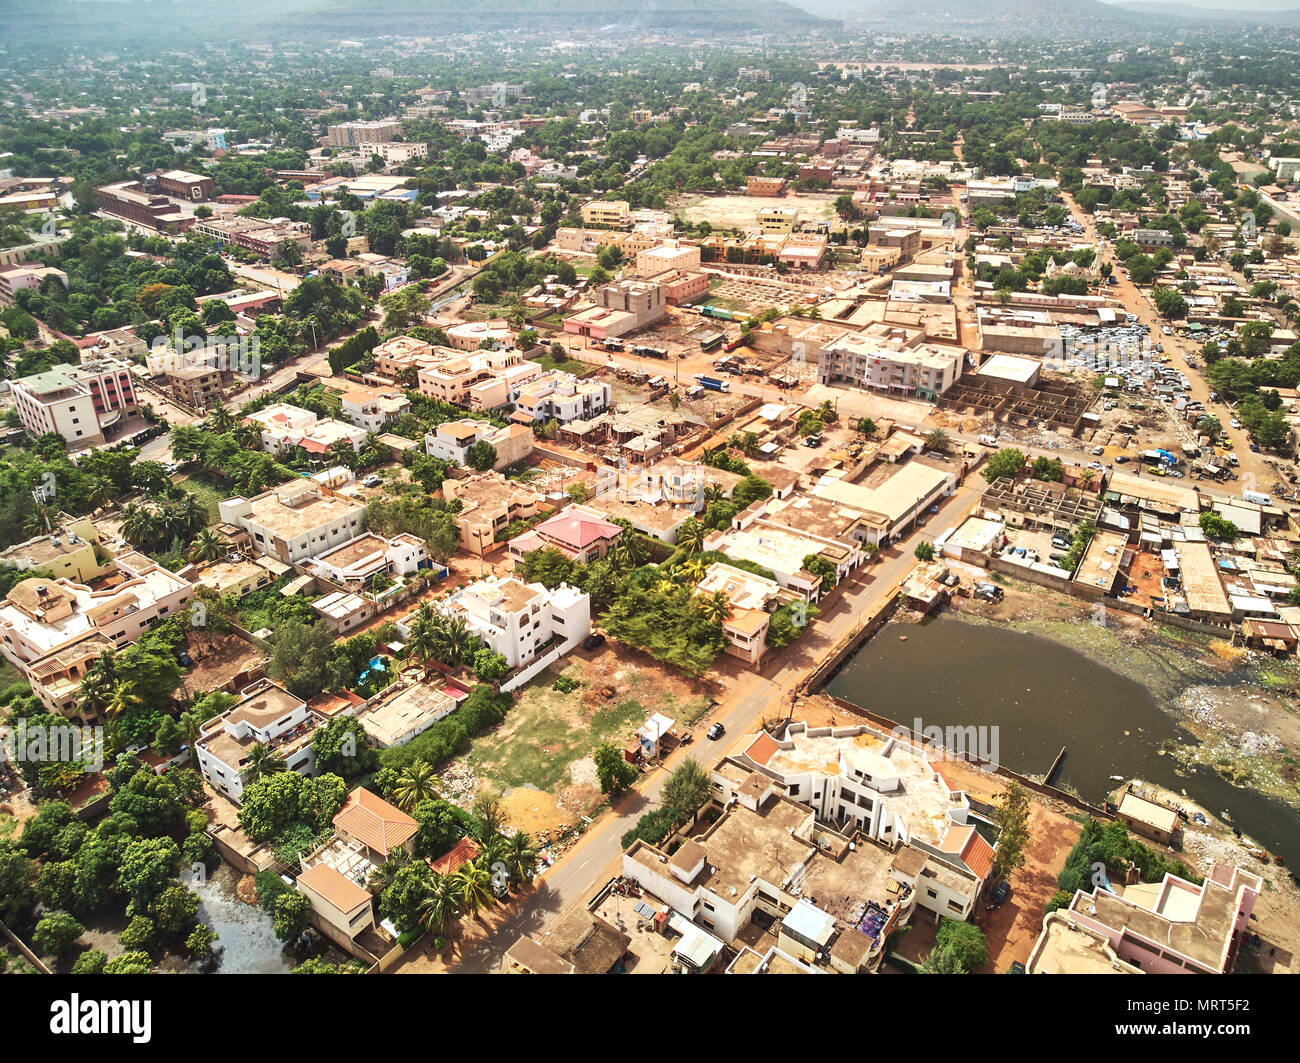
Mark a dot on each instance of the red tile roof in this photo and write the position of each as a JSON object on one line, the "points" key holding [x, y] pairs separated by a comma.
{"points": [[978, 855], [373, 821], [762, 749], [456, 857], [577, 530]]}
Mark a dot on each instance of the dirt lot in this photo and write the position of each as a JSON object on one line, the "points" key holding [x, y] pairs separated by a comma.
{"points": [[540, 758]]}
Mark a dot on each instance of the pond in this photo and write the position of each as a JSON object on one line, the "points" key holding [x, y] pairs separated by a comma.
{"points": [[1043, 696]]}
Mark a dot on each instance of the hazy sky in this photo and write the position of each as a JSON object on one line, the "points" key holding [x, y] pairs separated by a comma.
{"points": [[1228, 5]]}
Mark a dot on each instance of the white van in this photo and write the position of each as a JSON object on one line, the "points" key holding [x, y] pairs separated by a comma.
{"points": [[989, 441]]}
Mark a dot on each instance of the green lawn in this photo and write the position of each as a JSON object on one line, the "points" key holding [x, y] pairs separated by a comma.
{"points": [[208, 491], [568, 365], [546, 731]]}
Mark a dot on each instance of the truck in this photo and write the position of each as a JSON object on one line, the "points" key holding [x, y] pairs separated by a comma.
{"points": [[712, 383], [1257, 497], [650, 352], [1158, 457]]}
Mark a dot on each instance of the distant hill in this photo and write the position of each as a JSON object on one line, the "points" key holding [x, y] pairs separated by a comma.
{"points": [[1044, 18], [1203, 14], [371, 18], [60, 22]]}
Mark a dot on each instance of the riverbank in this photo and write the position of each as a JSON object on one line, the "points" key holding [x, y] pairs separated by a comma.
{"points": [[1237, 705]]}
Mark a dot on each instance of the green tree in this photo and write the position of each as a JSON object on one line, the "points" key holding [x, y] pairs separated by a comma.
{"points": [[687, 789], [1006, 462], [924, 551], [1011, 816], [481, 456], [292, 915], [56, 933], [615, 773]]}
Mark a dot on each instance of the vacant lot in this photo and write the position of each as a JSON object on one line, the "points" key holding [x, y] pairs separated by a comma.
{"points": [[547, 740], [739, 212]]}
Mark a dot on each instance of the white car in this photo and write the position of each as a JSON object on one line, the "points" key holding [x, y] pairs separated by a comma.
{"points": [[1235, 423]]}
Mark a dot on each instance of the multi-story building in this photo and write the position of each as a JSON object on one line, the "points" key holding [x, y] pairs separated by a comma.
{"points": [[777, 219], [866, 361], [517, 620], [667, 258], [488, 504], [372, 408], [185, 185], [297, 521], [452, 440], [267, 715], [620, 308], [478, 380], [79, 403], [76, 551], [753, 599], [368, 555], [394, 151], [560, 396], [16, 278], [1168, 927], [198, 386], [284, 426], [132, 201], [401, 355], [354, 134], [612, 214], [53, 630], [764, 186], [263, 237]]}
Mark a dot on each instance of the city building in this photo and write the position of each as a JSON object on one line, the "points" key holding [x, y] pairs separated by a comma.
{"points": [[518, 620], [753, 599], [354, 134], [579, 532], [890, 365], [618, 309], [451, 441], [1168, 927], [562, 397], [361, 559], [297, 521], [488, 504], [372, 408], [267, 715], [612, 214], [284, 426], [82, 403], [131, 201], [182, 184]]}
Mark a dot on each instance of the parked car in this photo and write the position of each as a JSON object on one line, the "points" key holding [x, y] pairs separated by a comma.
{"points": [[715, 732], [593, 641], [373, 480]]}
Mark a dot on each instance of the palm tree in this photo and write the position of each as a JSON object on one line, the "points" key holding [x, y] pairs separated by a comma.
{"points": [[937, 440], [473, 884], [711, 492], [121, 696], [715, 606], [627, 553], [415, 784], [692, 571], [456, 642], [690, 536], [102, 494], [382, 877], [521, 856], [220, 418], [422, 643], [440, 906], [262, 761], [142, 526], [188, 514], [248, 435], [208, 546]]}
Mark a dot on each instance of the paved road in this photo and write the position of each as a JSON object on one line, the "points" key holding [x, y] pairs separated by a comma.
{"points": [[588, 864], [1138, 302]]}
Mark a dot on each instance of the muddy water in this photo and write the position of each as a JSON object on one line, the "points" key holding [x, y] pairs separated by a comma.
{"points": [[1042, 696], [246, 942]]}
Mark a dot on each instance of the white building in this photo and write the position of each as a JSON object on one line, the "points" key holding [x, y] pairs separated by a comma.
{"points": [[367, 555], [296, 521], [562, 397], [286, 426], [452, 440], [76, 402], [518, 619], [864, 361], [266, 714]]}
